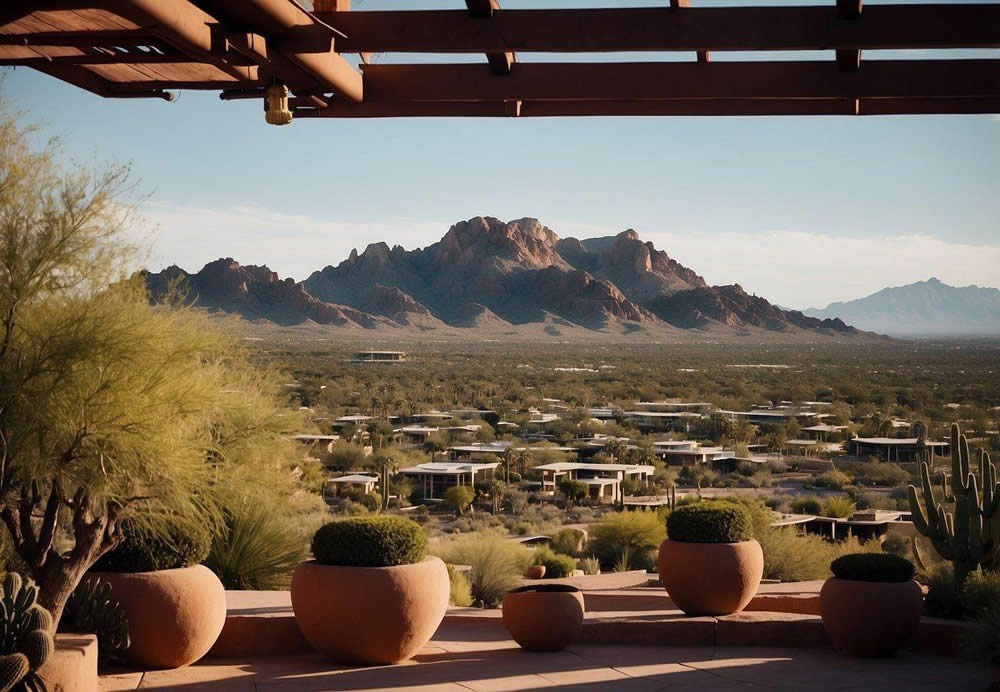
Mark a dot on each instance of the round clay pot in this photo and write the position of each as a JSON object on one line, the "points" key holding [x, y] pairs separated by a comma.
{"points": [[535, 572], [370, 615], [543, 617], [710, 578], [866, 618], [174, 615]]}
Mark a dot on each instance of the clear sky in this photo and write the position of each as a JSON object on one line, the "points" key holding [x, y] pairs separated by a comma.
{"points": [[803, 211]]}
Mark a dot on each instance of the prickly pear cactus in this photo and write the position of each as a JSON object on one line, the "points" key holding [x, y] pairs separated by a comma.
{"points": [[25, 635], [92, 610]]}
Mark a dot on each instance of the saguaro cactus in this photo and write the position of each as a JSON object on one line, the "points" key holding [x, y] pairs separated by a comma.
{"points": [[968, 535]]}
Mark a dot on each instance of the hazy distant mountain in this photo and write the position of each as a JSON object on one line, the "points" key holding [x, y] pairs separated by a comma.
{"points": [[488, 274], [924, 308]]}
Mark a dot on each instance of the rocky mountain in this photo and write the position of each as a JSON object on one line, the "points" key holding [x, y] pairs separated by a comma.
{"points": [[923, 308], [489, 274]]}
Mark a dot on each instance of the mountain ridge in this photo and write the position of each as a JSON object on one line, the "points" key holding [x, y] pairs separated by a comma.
{"points": [[485, 272]]}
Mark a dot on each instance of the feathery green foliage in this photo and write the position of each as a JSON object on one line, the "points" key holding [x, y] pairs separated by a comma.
{"points": [[460, 591], [459, 497], [497, 564], [639, 532], [257, 550]]}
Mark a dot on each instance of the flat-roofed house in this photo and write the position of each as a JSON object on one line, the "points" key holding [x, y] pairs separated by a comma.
{"points": [[694, 455], [437, 477], [822, 432], [662, 419], [371, 356], [899, 449], [603, 481], [362, 481]]}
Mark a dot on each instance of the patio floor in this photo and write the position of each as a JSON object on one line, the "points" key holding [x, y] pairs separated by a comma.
{"points": [[478, 656]]}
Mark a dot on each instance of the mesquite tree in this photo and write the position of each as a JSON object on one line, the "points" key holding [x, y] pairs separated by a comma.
{"points": [[110, 408]]}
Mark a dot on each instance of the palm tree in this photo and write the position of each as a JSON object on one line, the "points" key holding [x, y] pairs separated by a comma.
{"points": [[386, 464]]}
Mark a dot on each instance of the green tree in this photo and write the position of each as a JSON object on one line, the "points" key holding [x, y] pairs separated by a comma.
{"points": [[459, 497], [111, 409], [575, 491]]}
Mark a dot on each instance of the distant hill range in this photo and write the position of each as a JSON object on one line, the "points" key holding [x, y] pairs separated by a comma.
{"points": [[928, 308], [514, 277]]}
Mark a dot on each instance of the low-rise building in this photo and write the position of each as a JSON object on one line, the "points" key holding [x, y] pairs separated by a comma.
{"points": [[436, 477], [692, 456], [604, 481], [899, 449], [371, 356], [361, 481]]}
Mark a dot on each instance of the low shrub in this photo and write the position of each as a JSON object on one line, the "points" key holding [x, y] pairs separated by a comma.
{"points": [[257, 549], [982, 640], [171, 547], [379, 541], [942, 599], [590, 565], [557, 566], [881, 473], [497, 564], [639, 532], [840, 507], [807, 505], [566, 541], [370, 501], [460, 593], [980, 592], [710, 522], [834, 480], [575, 491], [877, 567]]}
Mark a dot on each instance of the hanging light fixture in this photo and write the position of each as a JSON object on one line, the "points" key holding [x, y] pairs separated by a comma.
{"points": [[276, 105]]}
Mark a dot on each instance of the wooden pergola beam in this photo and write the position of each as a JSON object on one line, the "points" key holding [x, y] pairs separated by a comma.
{"points": [[500, 61], [672, 107], [672, 80], [662, 29]]}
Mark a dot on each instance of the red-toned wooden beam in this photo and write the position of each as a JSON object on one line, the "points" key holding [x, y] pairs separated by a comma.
{"points": [[666, 80], [500, 61], [848, 59], [662, 29]]}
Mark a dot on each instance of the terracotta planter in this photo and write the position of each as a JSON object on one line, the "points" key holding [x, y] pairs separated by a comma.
{"points": [[711, 578], [867, 618], [545, 617], [72, 667], [174, 615], [370, 615], [535, 572]]}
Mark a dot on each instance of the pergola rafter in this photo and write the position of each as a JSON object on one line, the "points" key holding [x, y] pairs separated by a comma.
{"points": [[247, 48]]}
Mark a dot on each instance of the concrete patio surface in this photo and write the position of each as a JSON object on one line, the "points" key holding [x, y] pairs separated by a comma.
{"points": [[479, 656]]}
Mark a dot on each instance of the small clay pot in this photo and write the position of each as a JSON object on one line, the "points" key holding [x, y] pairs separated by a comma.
{"points": [[711, 578], [535, 572], [174, 615], [543, 617], [866, 618], [370, 615]]}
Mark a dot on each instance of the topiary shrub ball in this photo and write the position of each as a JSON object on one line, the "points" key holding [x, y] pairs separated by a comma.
{"points": [[710, 522], [880, 567], [380, 541], [172, 547]]}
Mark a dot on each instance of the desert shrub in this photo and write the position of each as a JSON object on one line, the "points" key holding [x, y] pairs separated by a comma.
{"points": [[497, 564], [557, 566], [370, 501], [379, 541], [346, 456], [942, 599], [460, 593], [745, 468], [834, 480], [170, 548], [896, 544], [777, 466], [879, 567], [523, 528], [838, 507], [882, 473], [575, 491], [980, 592], [807, 505], [710, 522], [349, 508], [566, 541], [639, 532], [459, 497], [257, 549], [761, 479], [590, 565]]}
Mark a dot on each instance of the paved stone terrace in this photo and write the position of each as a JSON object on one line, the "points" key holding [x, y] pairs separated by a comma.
{"points": [[478, 656]]}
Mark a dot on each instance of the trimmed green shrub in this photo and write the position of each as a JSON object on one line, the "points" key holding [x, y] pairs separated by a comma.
{"points": [[556, 566], [980, 592], [380, 541], [879, 567], [710, 522], [172, 547]]}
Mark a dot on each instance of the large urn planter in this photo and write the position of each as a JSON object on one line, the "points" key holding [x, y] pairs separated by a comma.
{"points": [[710, 565], [544, 617], [174, 615], [872, 606], [370, 597]]}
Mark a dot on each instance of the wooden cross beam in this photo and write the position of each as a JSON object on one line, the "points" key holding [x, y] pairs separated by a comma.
{"points": [[500, 61]]}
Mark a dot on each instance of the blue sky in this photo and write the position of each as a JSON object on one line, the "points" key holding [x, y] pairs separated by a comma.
{"points": [[801, 210]]}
